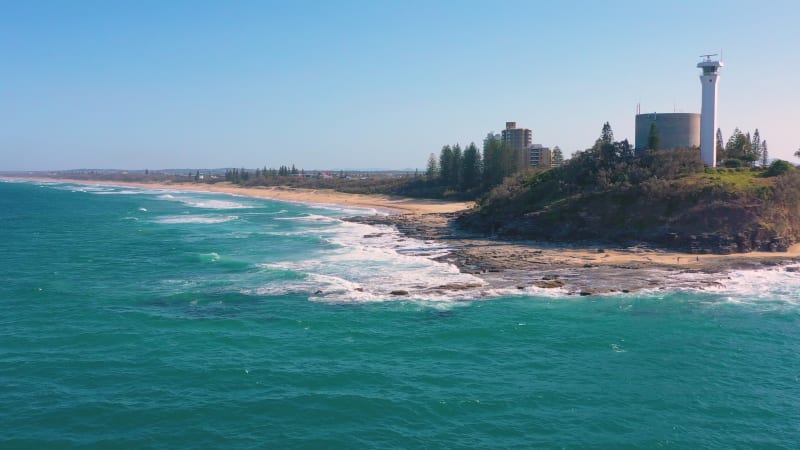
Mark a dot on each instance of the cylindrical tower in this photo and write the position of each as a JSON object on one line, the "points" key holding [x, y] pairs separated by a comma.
{"points": [[674, 130], [708, 112]]}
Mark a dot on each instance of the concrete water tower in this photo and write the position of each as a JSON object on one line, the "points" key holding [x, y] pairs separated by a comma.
{"points": [[708, 113]]}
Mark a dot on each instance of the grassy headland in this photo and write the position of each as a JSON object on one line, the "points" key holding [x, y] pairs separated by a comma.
{"points": [[609, 193]]}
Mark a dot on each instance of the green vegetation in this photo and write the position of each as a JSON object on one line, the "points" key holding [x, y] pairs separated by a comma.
{"points": [[664, 196], [743, 147]]}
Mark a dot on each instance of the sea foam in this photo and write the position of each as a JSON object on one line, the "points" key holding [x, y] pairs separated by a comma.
{"points": [[195, 219]]}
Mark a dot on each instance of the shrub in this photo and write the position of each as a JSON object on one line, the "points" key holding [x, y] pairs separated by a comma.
{"points": [[778, 167]]}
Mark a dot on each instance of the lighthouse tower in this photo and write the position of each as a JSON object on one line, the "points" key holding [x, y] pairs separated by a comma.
{"points": [[708, 113]]}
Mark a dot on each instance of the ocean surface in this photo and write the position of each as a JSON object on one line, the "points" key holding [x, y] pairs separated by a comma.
{"points": [[135, 318]]}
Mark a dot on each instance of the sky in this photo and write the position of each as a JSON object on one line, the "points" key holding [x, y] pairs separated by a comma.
{"points": [[372, 84]]}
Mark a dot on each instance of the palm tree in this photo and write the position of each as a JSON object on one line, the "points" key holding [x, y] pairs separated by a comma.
{"points": [[797, 153]]}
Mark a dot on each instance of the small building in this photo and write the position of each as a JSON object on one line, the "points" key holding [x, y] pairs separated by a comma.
{"points": [[539, 156]]}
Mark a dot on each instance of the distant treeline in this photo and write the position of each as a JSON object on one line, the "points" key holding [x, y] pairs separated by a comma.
{"points": [[456, 173]]}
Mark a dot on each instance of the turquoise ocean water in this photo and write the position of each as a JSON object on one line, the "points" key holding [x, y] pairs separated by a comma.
{"points": [[134, 318]]}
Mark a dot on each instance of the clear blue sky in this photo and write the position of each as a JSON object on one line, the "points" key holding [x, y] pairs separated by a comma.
{"points": [[366, 84]]}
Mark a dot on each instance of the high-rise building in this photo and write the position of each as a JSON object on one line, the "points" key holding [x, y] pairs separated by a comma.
{"points": [[708, 112], [518, 138]]}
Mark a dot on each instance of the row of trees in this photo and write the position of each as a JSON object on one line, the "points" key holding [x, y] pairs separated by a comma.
{"points": [[469, 170], [238, 176], [456, 168], [742, 147]]}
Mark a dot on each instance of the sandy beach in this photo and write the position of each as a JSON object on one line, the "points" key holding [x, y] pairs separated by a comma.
{"points": [[384, 203]]}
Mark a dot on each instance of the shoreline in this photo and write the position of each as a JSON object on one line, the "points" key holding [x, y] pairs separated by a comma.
{"points": [[576, 269], [384, 203]]}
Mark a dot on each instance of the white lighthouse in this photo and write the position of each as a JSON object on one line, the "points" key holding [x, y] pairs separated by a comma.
{"points": [[708, 113]]}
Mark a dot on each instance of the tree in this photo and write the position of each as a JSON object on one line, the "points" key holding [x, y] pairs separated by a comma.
{"points": [[653, 139], [607, 135], [558, 156], [720, 146], [499, 161], [764, 154], [432, 171], [604, 150], [756, 145], [737, 145], [456, 164], [797, 153], [446, 163], [471, 167]]}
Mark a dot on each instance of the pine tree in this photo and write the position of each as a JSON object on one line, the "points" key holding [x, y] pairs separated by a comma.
{"points": [[471, 167], [764, 154], [653, 139], [755, 146], [607, 135], [446, 163], [558, 156], [456, 164], [721, 155], [432, 170], [736, 146]]}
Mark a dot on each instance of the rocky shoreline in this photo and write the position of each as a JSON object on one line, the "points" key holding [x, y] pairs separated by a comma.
{"points": [[589, 269]]}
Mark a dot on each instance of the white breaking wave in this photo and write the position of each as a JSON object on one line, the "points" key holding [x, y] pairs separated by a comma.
{"points": [[780, 284], [112, 192], [365, 266], [214, 204], [195, 219], [311, 218]]}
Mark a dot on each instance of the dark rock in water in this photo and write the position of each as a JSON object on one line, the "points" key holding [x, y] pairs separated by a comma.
{"points": [[585, 293], [359, 289], [399, 292], [318, 292], [548, 284], [793, 269]]}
